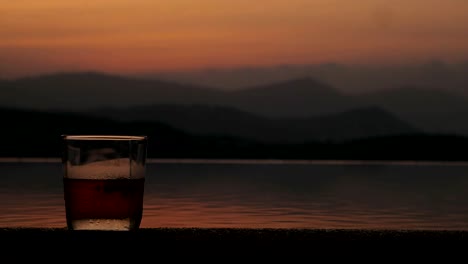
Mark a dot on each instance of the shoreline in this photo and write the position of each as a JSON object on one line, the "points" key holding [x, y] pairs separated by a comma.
{"points": [[257, 161], [194, 233], [248, 234]]}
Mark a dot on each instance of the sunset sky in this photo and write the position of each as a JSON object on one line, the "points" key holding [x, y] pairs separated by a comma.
{"points": [[131, 36]]}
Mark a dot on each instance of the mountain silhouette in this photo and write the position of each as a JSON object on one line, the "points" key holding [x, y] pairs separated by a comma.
{"points": [[32, 133], [217, 120], [429, 110], [79, 91], [299, 97], [38, 133]]}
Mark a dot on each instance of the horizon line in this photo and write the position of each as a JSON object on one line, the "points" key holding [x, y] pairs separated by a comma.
{"points": [[257, 161], [144, 73]]}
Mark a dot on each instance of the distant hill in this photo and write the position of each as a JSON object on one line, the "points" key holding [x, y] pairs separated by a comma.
{"points": [[28, 133], [216, 120], [349, 79], [201, 119], [430, 110], [79, 91], [301, 97], [34, 133]]}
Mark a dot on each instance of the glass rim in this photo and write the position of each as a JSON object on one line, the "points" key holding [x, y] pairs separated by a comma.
{"points": [[103, 137]]}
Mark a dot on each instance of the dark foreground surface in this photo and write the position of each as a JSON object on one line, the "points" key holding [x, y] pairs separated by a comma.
{"points": [[229, 243]]}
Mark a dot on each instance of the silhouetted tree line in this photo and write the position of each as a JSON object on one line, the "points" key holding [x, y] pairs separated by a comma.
{"points": [[38, 134]]}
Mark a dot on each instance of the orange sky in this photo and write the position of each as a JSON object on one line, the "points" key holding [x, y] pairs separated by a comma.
{"points": [[146, 35]]}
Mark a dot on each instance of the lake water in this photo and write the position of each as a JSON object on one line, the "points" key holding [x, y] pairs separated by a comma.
{"points": [[257, 194]]}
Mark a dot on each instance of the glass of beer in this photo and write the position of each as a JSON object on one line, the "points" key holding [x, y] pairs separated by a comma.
{"points": [[103, 181]]}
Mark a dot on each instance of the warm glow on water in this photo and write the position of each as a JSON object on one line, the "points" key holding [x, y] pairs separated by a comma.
{"points": [[276, 195]]}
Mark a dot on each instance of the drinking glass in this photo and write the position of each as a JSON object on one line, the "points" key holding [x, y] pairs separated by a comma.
{"points": [[103, 181]]}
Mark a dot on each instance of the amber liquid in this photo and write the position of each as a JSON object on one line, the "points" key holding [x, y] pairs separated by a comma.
{"points": [[115, 204]]}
